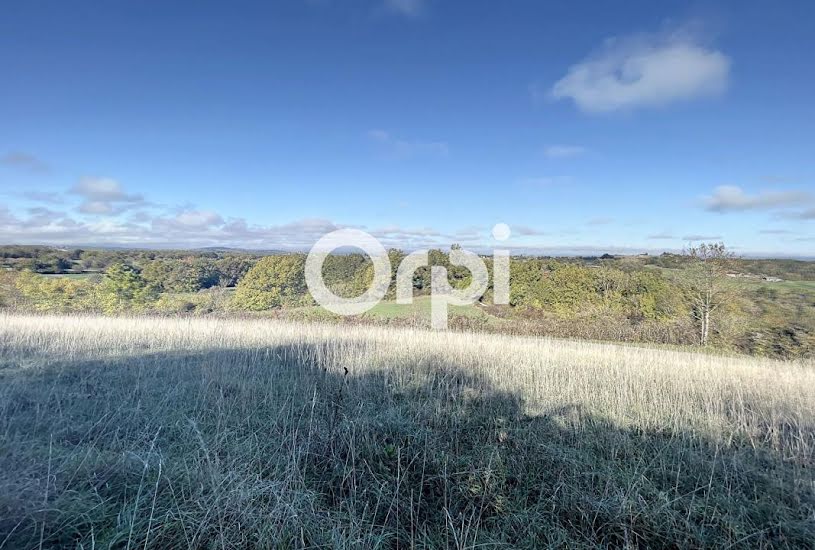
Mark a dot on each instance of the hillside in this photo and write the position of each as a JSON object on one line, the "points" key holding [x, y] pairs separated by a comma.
{"points": [[199, 433]]}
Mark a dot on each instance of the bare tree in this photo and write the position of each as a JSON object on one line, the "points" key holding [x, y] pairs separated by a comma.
{"points": [[709, 288]]}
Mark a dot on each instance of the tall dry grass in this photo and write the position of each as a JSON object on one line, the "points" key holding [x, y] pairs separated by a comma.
{"points": [[197, 433]]}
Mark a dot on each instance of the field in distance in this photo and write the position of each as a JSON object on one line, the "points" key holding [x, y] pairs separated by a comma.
{"points": [[211, 432], [389, 310]]}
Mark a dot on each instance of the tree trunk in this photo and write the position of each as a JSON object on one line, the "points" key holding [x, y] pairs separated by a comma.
{"points": [[705, 325]]}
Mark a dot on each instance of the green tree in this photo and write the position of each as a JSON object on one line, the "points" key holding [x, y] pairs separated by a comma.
{"points": [[363, 279], [192, 275], [707, 284], [395, 256], [55, 294], [274, 281], [156, 274], [651, 296], [610, 284], [567, 287], [423, 276], [343, 274], [184, 275], [123, 289], [231, 269], [9, 293], [525, 283]]}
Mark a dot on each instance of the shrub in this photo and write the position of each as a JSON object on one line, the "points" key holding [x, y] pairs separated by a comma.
{"points": [[56, 294]]}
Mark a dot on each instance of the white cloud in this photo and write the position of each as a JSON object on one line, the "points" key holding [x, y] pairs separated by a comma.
{"points": [[42, 225], [191, 228], [395, 230], [197, 219], [188, 228], [563, 151], [526, 231], [49, 197], [24, 161], [644, 71], [7, 219], [104, 196], [415, 238], [103, 189], [730, 198], [202, 228], [702, 238], [401, 148], [294, 235], [808, 214], [468, 233], [39, 215], [409, 8], [96, 207]]}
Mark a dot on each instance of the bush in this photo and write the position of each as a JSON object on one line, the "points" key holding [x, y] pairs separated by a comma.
{"points": [[56, 294]]}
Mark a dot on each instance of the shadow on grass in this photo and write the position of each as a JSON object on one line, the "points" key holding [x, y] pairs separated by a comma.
{"points": [[282, 447]]}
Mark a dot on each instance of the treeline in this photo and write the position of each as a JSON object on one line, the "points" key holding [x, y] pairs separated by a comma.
{"points": [[39, 259], [48, 260], [672, 299], [192, 274], [278, 282], [52, 260]]}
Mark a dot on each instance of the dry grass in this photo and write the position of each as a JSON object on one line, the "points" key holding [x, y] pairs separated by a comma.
{"points": [[199, 433]]}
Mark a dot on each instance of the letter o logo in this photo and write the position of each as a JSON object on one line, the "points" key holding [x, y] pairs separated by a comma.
{"points": [[348, 238]]}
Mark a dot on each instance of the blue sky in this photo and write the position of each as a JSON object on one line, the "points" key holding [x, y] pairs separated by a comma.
{"points": [[585, 126]]}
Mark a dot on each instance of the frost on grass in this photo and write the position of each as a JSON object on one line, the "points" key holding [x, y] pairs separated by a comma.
{"points": [[205, 433]]}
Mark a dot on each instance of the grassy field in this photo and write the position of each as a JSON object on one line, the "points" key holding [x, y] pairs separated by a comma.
{"points": [[219, 433], [416, 314], [798, 287], [419, 310], [752, 283]]}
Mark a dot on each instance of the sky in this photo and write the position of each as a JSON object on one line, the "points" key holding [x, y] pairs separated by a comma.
{"points": [[586, 127]]}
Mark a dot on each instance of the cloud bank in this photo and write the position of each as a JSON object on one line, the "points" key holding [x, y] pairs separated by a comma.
{"points": [[644, 71], [731, 198], [104, 196], [103, 212]]}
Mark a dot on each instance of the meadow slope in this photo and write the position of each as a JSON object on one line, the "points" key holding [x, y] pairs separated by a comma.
{"points": [[219, 433]]}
